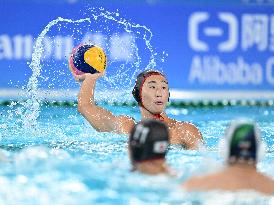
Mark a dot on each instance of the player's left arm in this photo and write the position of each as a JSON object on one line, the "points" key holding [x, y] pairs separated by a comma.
{"points": [[190, 136]]}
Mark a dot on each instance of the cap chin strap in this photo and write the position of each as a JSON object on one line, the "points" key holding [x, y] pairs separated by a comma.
{"points": [[158, 117]]}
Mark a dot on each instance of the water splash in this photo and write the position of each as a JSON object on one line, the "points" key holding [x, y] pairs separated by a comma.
{"points": [[32, 105], [120, 80], [128, 28]]}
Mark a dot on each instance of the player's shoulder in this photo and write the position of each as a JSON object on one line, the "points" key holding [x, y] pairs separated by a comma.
{"points": [[192, 183], [126, 118], [202, 180], [183, 125]]}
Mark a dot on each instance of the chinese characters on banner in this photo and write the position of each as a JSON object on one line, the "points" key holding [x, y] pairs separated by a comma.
{"points": [[242, 34]]}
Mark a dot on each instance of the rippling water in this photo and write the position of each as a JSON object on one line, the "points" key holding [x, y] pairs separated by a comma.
{"points": [[62, 160], [51, 155]]}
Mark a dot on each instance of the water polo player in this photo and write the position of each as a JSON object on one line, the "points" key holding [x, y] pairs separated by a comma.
{"points": [[242, 149], [147, 145], [152, 94]]}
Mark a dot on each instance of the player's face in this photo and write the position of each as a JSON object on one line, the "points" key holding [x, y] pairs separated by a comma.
{"points": [[155, 93]]}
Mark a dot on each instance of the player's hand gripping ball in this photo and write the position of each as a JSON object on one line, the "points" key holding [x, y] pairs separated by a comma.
{"points": [[87, 58]]}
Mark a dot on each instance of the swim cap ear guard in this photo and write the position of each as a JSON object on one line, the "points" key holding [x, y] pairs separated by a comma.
{"points": [[139, 84], [242, 143]]}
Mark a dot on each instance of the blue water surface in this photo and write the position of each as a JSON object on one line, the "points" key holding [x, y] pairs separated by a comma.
{"points": [[63, 160]]}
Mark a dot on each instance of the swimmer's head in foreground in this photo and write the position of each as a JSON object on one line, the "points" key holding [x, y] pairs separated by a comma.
{"points": [[242, 143], [151, 92], [148, 144]]}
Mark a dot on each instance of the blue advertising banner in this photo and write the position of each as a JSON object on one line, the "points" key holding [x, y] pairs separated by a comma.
{"points": [[206, 48]]}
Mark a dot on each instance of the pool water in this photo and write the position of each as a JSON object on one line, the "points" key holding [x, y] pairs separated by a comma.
{"points": [[63, 160]]}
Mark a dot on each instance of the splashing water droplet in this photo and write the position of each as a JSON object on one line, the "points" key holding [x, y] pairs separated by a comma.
{"points": [[32, 105], [121, 79]]}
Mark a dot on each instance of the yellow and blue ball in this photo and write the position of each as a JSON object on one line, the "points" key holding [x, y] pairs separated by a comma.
{"points": [[87, 58]]}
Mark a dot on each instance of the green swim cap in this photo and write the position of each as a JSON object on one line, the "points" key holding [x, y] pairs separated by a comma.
{"points": [[243, 141]]}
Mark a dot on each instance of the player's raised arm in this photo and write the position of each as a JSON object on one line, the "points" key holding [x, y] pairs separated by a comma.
{"points": [[87, 63], [101, 119]]}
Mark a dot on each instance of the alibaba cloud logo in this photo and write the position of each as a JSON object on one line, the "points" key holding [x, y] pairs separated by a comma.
{"points": [[195, 29]]}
